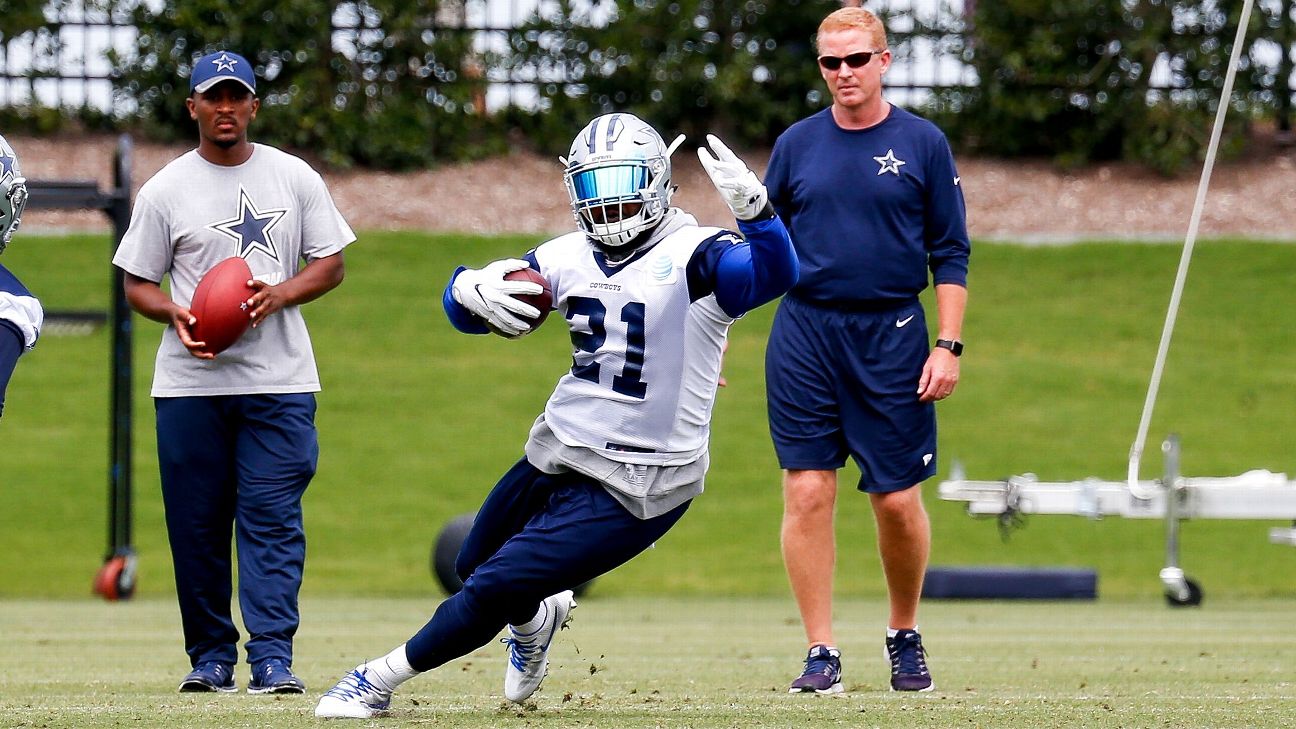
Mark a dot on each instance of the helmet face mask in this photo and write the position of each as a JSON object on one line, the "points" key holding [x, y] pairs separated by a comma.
{"points": [[13, 193], [618, 179]]}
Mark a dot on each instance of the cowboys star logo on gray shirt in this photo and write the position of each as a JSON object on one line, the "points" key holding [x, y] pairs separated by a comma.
{"points": [[275, 212], [251, 229]]}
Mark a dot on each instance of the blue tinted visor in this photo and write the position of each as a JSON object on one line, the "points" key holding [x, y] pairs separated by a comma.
{"points": [[610, 182]]}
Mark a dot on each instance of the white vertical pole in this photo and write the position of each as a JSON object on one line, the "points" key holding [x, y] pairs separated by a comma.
{"points": [[1226, 98]]}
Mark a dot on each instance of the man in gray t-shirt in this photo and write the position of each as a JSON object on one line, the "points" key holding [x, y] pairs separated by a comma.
{"points": [[236, 435]]}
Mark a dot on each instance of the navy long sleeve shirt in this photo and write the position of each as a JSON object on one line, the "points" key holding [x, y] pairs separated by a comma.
{"points": [[870, 211]]}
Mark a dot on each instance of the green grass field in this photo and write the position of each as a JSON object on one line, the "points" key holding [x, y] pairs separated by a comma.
{"points": [[418, 421], [690, 662]]}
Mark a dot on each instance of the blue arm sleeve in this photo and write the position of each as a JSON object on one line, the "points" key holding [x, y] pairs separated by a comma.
{"points": [[460, 318], [11, 347], [745, 275]]}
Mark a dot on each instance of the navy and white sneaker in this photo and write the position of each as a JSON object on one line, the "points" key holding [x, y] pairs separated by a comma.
{"points": [[275, 676], [354, 697], [528, 653], [822, 674], [208, 677], [908, 662]]}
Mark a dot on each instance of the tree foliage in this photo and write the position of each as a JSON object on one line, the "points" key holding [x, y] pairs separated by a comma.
{"points": [[743, 69], [1104, 79], [30, 29], [21, 16], [400, 84], [380, 82]]}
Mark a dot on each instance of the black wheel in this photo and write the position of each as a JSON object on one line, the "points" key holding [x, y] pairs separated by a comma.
{"points": [[1193, 599], [446, 550]]}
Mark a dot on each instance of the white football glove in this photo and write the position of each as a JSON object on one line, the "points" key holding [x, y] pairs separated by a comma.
{"points": [[488, 295], [740, 187]]}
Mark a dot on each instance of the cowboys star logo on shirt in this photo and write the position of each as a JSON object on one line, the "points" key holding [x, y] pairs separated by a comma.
{"points": [[251, 229], [889, 163]]}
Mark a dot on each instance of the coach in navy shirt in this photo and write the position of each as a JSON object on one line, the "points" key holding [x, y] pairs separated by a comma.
{"points": [[871, 197]]}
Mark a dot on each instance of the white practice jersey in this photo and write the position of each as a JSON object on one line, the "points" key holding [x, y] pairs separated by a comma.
{"points": [[275, 212], [646, 359]]}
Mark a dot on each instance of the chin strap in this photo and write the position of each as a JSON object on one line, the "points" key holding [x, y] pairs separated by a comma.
{"points": [[620, 254]]}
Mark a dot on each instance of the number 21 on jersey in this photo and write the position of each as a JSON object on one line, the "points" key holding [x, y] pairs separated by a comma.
{"points": [[630, 382]]}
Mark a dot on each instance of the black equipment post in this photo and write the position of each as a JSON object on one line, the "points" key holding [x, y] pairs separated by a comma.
{"points": [[116, 579], [120, 486]]}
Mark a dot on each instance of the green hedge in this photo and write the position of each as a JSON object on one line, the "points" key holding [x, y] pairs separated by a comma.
{"points": [[743, 70], [1068, 79], [1074, 80], [408, 94], [398, 97]]}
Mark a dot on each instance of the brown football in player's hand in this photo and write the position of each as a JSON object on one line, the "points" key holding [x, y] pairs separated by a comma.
{"points": [[220, 305], [542, 301]]}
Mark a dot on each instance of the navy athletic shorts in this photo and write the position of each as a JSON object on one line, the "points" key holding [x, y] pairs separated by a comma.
{"points": [[844, 381]]}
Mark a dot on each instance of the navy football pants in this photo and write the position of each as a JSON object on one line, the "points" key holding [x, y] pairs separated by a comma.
{"points": [[11, 348], [237, 464], [535, 535]]}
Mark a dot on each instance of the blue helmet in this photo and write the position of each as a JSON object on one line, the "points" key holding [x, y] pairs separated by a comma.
{"points": [[13, 193], [618, 177]]}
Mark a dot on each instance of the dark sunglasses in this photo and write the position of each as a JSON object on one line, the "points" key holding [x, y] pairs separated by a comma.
{"points": [[854, 60]]}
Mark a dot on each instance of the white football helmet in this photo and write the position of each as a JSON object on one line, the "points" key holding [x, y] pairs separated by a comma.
{"points": [[13, 193], [618, 178]]}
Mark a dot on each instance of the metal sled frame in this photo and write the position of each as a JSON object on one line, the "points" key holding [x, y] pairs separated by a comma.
{"points": [[1253, 495]]}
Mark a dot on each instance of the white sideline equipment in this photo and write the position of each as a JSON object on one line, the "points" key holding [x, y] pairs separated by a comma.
{"points": [[1252, 495], [1190, 240]]}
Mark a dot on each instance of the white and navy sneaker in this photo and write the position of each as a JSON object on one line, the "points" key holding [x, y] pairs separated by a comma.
{"points": [[822, 673], [528, 653], [275, 676], [908, 662], [354, 697], [209, 676]]}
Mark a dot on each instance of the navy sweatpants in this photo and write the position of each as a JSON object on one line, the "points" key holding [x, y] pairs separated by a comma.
{"points": [[237, 464], [535, 535]]}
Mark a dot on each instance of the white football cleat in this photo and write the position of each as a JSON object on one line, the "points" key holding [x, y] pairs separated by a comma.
{"points": [[528, 653], [354, 697]]}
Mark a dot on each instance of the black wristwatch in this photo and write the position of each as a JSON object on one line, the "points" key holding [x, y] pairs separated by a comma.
{"points": [[953, 345]]}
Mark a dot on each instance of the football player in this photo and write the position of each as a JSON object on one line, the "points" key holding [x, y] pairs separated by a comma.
{"points": [[620, 450], [20, 313]]}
